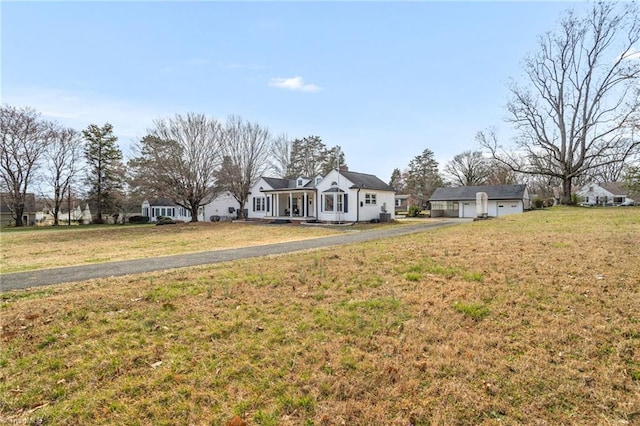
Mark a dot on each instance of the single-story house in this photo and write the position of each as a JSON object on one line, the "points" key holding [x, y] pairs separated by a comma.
{"points": [[402, 202], [340, 196], [604, 194], [223, 207], [460, 201], [6, 213]]}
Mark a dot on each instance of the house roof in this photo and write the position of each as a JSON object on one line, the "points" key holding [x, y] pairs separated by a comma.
{"points": [[494, 192], [366, 181], [161, 202], [616, 188], [29, 203], [359, 180], [279, 183]]}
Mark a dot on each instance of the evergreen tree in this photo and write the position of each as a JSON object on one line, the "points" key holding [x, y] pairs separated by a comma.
{"points": [[310, 157], [423, 177], [397, 181], [105, 171]]}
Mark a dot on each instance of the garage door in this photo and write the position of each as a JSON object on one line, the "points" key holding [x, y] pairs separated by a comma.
{"points": [[468, 209]]}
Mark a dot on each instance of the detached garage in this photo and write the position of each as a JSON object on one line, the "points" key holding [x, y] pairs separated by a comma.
{"points": [[461, 201]]}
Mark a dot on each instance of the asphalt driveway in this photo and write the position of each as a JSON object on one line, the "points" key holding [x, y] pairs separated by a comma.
{"points": [[43, 277]]}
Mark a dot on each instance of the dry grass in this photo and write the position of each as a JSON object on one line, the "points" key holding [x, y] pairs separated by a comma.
{"points": [[46, 248], [529, 319]]}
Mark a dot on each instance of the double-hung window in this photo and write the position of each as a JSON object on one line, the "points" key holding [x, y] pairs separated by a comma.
{"points": [[370, 199]]}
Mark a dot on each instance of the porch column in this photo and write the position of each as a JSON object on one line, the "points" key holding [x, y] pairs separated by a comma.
{"points": [[304, 204], [290, 204]]}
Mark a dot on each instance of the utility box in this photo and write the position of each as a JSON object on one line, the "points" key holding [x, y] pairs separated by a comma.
{"points": [[385, 217]]}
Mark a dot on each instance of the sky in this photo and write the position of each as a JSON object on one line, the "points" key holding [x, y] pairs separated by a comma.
{"points": [[383, 80]]}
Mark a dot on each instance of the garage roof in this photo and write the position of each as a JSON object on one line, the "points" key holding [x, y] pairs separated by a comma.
{"points": [[494, 192]]}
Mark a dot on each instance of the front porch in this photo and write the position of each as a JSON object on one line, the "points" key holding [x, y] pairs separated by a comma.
{"points": [[295, 206]]}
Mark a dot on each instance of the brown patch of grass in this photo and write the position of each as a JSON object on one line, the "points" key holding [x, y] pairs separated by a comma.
{"points": [[47, 248], [527, 319]]}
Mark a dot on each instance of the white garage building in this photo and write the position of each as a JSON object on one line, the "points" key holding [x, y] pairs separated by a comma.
{"points": [[461, 201]]}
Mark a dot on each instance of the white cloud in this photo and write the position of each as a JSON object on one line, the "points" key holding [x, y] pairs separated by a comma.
{"points": [[294, 83]]}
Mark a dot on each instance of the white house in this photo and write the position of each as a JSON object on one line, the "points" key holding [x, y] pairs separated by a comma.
{"points": [[223, 207], [340, 196], [461, 201], [604, 194]]}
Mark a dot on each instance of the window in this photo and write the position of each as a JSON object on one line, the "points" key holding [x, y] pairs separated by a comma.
{"points": [[260, 204], [398, 202], [328, 202], [370, 199], [299, 182], [335, 203], [444, 205]]}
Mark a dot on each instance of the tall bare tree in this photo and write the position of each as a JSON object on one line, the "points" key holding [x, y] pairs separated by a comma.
{"points": [[63, 158], [245, 158], [24, 140], [280, 158], [468, 169], [179, 160], [575, 113]]}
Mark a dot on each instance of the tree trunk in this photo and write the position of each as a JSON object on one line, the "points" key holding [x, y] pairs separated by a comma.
{"points": [[566, 192], [194, 213], [19, 213]]}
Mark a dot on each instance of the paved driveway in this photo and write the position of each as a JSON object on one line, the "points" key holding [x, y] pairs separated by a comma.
{"points": [[43, 277]]}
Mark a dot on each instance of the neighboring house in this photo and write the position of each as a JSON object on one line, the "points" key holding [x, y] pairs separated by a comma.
{"points": [[28, 216], [402, 202], [340, 196], [461, 201], [223, 207], [604, 194], [45, 217]]}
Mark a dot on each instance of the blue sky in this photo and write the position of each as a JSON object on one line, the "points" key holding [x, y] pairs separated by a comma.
{"points": [[384, 80]]}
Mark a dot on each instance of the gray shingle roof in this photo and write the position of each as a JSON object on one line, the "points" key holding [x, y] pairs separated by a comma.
{"points": [[616, 188], [494, 192], [161, 202], [29, 203], [366, 181], [279, 183]]}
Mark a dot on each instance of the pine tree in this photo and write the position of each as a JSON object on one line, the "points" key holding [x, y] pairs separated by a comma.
{"points": [[105, 175]]}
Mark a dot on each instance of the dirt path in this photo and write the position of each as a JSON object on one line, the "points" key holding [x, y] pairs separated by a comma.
{"points": [[43, 277]]}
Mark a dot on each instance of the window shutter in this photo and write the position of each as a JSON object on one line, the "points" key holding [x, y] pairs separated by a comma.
{"points": [[345, 203], [254, 203], [268, 206]]}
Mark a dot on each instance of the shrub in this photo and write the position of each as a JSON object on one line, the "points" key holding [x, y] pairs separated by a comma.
{"points": [[164, 220], [538, 203], [139, 219], [414, 211]]}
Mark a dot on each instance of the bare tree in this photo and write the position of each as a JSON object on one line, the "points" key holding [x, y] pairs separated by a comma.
{"points": [[24, 140], [280, 158], [179, 160], [63, 163], [576, 111], [468, 169], [245, 158]]}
